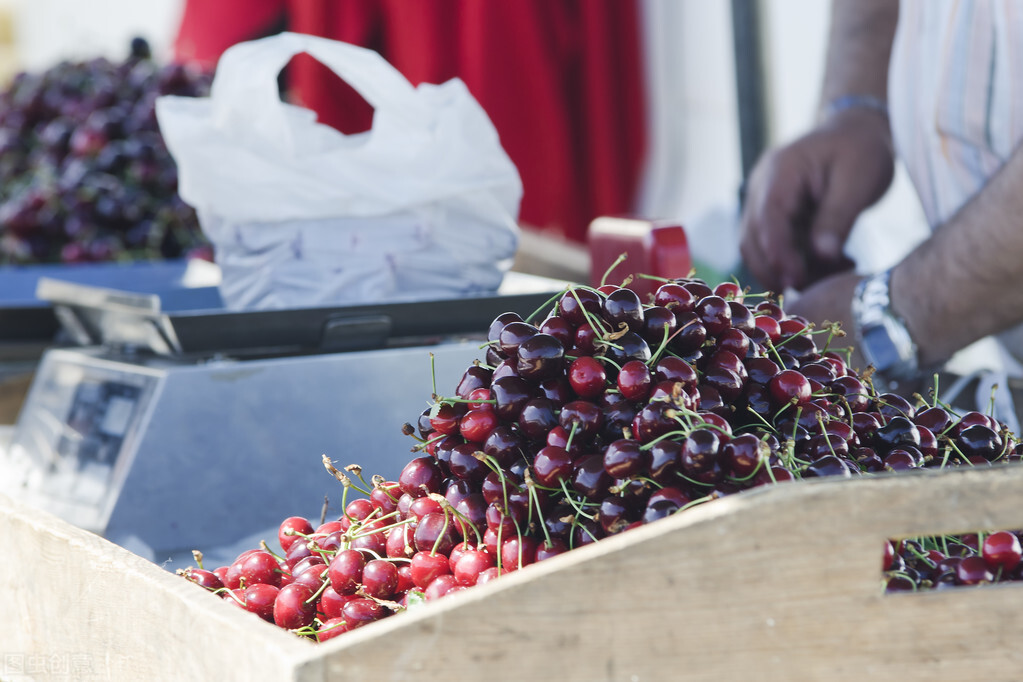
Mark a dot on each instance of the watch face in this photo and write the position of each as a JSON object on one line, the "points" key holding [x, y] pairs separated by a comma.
{"points": [[878, 348]]}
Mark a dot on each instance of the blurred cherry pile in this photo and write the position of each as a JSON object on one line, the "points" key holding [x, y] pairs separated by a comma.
{"points": [[600, 414], [84, 173]]}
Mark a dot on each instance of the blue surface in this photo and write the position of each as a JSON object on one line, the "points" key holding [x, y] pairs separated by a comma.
{"points": [[18, 283]]}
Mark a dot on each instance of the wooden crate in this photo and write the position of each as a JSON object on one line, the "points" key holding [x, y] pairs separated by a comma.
{"points": [[775, 584]]}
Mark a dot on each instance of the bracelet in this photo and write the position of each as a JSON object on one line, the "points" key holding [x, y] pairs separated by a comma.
{"points": [[881, 335], [847, 102]]}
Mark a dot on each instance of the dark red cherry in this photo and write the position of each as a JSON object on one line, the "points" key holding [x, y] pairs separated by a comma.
{"points": [[540, 357], [587, 377], [573, 302], [512, 336], [675, 298]]}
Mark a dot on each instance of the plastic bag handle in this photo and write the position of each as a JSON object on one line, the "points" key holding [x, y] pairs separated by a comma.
{"points": [[245, 85]]}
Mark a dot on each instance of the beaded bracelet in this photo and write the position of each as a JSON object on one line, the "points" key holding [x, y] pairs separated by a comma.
{"points": [[846, 102]]}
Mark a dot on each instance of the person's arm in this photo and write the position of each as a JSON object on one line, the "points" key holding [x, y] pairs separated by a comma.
{"points": [[963, 283], [803, 198], [966, 281], [859, 48]]}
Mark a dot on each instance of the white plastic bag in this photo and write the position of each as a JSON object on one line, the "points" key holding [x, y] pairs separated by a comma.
{"points": [[423, 205]]}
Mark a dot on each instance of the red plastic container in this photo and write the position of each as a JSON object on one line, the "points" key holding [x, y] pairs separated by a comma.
{"points": [[658, 248]]}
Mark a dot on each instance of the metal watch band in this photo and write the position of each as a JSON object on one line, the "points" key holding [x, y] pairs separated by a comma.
{"points": [[881, 335]]}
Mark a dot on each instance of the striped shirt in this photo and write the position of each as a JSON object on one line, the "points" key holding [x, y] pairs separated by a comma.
{"points": [[954, 95]]}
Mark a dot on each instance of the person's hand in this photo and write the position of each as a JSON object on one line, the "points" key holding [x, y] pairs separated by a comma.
{"points": [[802, 199], [829, 301]]}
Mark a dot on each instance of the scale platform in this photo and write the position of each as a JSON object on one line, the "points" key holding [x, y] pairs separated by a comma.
{"points": [[182, 427]]}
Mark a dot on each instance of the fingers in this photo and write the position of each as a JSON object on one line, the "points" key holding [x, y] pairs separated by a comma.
{"points": [[771, 243]]}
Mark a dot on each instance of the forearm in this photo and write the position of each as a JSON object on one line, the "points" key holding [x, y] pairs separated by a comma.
{"points": [[966, 281], [859, 47]]}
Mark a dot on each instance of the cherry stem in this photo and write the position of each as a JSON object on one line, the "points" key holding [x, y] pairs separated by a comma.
{"points": [[546, 305], [534, 499], [266, 548], [575, 504], [618, 261], [319, 591], [197, 556]]}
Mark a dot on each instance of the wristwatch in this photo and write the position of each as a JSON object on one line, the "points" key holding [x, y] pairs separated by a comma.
{"points": [[881, 335]]}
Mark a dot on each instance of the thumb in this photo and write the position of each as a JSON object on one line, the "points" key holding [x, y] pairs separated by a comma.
{"points": [[833, 221]]}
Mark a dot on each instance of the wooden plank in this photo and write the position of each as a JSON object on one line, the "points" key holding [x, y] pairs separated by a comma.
{"points": [[775, 584], [71, 602], [780, 584]]}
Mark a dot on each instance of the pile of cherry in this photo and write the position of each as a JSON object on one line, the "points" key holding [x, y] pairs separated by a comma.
{"points": [[605, 414], [85, 175]]}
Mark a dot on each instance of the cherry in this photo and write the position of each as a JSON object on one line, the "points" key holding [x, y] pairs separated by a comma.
{"points": [[558, 390], [690, 335], [586, 340], [769, 325], [744, 455], [700, 452], [477, 424], [552, 466], [583, 417], [973, 570], [674, 297], [623, 309], [469, 566], [465, 465], [789, 387], [715, 314], [499, 323], [671, 368], [828, 465], [475, 377], [630, 346], [589, 477], [546, 550], [742, 318], [587, 377], [978, 440], [616, 513], [512, 336], [624, 458], [665, 458], [421, 476], [345, 571], [435, 533], [511, 394], [208, 579], [569, 305], [654, 420], [426, 567], [898, 432], [936, 419], [385, 497], [517, 552], [380, 579], [658, 325], [559, 328], [537, 418], [634, 380], [540, 357], [291, 529], [293, 607], [445, 419], [442, 585], [894, 405], [1001, 551], [900, 459], [259, 567], [504, 445], [359, 612]]}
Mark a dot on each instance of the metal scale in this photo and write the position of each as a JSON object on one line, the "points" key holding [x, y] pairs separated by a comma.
{"points": [[180, 424]]}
